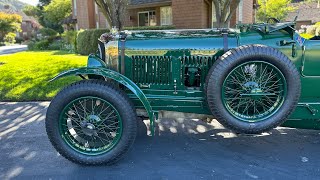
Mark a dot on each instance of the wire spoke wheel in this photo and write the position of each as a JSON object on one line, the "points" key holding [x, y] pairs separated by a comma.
{"points": [[91, 122], [253, 88], [90, 125], [254, 91]]}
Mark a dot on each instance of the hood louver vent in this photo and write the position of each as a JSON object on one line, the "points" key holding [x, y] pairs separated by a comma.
{"points": [[158, 70]]}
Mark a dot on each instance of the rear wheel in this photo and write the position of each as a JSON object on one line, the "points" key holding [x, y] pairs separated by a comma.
{"points": [[252, 89], [91, 122]]}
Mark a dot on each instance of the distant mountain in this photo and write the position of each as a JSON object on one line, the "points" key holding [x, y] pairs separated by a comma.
{"points": [[14, 4]]}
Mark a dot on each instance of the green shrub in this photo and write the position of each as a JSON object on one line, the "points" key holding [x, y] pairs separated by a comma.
{"points": [[87, 40], [40, 45], [67, 47], [70, 39], [149, 28], [19, 40], [31, 45], [45, 45], [47, 32], [55, 45], [10, 38]]}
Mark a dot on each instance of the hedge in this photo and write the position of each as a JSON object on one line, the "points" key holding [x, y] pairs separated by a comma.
{"points": [[149, 28], [87, 40]]}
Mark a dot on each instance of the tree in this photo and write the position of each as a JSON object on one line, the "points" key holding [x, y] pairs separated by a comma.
{"points": [[224, 12], [9, 23], [274, 9], [114, 11], [44, 2], [57, 11], [10, 38], [31, 10], [39, 13]]}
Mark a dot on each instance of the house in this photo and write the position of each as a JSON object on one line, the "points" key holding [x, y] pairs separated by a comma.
{"points": [[308, 13], [29, 26], [183, 13], [86, 14], [179, 13]]}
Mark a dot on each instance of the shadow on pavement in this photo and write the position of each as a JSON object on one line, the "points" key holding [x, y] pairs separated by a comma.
{"points": [[182, 148]]}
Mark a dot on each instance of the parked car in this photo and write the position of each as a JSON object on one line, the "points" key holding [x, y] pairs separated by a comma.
{"points": [[250, 79]]}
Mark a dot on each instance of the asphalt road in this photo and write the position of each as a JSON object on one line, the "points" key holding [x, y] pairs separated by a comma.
{"points": [[12, 49], [182, 149]]}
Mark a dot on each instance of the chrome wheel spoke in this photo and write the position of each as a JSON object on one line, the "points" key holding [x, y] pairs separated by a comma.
{"points": [[254, 90], [91, 125]]}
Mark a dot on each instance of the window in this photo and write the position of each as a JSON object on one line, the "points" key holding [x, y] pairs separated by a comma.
{"points": [[147, 18], [166, 15]]}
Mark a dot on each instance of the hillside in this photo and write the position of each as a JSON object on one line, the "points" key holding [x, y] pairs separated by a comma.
{"points": [[14, 4]]}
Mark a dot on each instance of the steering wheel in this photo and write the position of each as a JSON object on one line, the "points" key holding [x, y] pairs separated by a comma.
{"points": [[273, 20]]}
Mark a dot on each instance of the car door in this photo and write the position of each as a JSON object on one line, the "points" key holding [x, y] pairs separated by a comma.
{"points": [[311, 62]]}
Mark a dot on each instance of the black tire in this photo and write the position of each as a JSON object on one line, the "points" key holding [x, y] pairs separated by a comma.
{"points": [[103, 90], [232, 59]]}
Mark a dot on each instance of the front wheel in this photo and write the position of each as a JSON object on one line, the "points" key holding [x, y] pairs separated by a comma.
{"points": [[91, 122]]}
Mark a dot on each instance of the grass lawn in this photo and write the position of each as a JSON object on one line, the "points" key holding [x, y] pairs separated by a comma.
{"points": [[24, 76]]}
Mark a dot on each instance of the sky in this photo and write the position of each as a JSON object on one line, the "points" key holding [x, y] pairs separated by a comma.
{"points": [[32, 2]]}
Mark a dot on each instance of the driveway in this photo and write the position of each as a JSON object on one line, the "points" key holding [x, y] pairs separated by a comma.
{"points": [[182, 149], [12, 49]]}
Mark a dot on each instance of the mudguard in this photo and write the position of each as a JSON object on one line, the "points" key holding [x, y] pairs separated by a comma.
{"points": [[97, 67]]}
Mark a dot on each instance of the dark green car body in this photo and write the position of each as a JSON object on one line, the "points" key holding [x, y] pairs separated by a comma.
{"points": [[167, 70]]}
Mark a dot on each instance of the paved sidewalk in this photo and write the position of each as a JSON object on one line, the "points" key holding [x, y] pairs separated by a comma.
{"points": [[184, 149], [12, 49]]}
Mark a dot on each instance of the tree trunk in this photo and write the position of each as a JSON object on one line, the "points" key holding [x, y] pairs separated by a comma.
{"points": [[224, 12], [218, 12], [113, 11]]}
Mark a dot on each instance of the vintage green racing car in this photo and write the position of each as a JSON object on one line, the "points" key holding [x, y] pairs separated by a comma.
{"points": [[251, 79]]}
